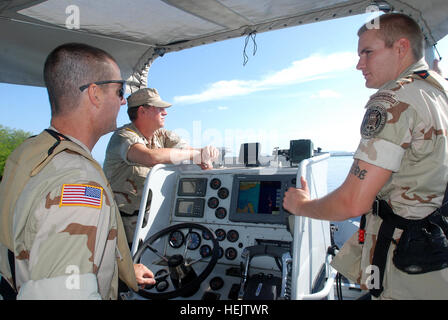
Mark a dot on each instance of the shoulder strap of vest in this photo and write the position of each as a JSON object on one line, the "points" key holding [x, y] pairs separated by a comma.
{"points": [[433, 78], [422, 73], [58, 136], [62, 143]]}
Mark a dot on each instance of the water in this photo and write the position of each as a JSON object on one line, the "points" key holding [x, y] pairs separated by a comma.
{"points": [[338, 168]]}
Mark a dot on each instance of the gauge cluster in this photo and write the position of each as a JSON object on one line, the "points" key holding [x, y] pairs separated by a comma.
{"points": [[209, 199]]}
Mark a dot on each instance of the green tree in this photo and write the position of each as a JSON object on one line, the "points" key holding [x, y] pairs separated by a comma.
{"points": [[9, 140]]}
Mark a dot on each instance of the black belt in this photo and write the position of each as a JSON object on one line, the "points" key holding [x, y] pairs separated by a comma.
{"points": [[125, 214], [428, 259], [384, 238]]}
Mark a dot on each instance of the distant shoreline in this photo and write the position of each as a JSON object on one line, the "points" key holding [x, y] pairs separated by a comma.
{"points": [[341, 154]]}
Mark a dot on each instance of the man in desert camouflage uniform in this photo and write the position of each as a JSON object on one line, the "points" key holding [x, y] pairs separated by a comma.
{"points": [[402, 159], [58, 217], [138, 146]]}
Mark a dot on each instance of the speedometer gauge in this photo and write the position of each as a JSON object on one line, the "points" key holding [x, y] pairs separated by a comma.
{"points": [[176, 239], [193, 240]]}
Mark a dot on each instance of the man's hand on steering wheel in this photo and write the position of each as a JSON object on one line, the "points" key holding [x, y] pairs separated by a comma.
{"points": [[143, 275]]}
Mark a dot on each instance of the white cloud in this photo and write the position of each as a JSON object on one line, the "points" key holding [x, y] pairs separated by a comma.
{"points": [[314, 67], [222, 108], [219, 90]]}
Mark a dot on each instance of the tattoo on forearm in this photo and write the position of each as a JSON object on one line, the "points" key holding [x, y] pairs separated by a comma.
{"points": [[357, 172]]}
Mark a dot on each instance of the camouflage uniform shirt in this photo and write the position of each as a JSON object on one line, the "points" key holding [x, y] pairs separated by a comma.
{"points": [[127, 178], [65, 232], [405, 131]]}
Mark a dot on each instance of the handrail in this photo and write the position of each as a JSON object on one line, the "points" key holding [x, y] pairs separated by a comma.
{"points": [[326, 289], [143, 203], [299, 223]]}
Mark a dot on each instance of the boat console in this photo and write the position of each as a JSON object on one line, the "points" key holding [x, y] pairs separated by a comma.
{"points": [[222, 234]]}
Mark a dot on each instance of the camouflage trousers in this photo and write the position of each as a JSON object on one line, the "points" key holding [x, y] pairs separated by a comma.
{"points": [[129, 223]]}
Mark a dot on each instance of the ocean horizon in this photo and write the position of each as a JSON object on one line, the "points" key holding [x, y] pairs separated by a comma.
{"points": [[338, 168]]}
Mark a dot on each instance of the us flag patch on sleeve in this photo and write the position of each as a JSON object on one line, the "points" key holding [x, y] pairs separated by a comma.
{"points": [[81, 195]]}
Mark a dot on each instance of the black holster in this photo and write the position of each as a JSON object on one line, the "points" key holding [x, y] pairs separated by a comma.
{"points": [[423, 245]]}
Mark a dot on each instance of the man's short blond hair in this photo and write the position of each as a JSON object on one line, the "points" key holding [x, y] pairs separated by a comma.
{"points": [[70, 66], [394, 26]]}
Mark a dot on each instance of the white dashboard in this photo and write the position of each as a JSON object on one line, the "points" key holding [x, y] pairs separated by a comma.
{"points": [[242, 210]]}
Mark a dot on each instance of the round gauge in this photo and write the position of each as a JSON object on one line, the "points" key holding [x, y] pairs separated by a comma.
{"points": [[213, 202], [176, 239], [205, 251], [220, 252], [221, 213], [206, 235], [230, 253], [162, 285], [193, 240], [220, 234], [216, 283], [215, 183], [233, 235], [223, 193]]}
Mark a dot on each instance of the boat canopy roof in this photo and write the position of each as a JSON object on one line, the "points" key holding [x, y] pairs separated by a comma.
{"points": [[136, 32]]}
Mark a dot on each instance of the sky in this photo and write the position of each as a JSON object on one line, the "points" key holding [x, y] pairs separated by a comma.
{"points": [[301, 83]]}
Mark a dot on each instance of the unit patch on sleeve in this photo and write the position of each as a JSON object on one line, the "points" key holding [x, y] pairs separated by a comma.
{"points": [[374, 121], [81, 195]]}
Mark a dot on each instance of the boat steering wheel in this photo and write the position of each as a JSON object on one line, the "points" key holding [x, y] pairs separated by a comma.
{"points": [[177, 264]]}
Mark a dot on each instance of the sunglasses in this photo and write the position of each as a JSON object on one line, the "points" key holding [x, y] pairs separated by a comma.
{"points": [[120, 92]]}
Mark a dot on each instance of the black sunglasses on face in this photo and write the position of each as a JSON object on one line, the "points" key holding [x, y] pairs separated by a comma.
{"points": [[120, 92]]}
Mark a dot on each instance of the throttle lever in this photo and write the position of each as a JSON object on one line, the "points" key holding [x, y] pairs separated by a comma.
{"points": [[253, 251]]}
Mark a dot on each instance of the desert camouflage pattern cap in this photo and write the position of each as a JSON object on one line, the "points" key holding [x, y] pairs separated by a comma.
{"points": [[147, 96]]}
